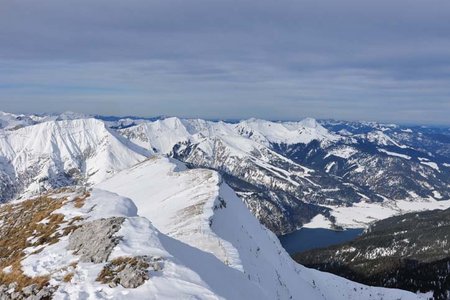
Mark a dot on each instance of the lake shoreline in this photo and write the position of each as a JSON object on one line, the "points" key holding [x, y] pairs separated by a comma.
{"points": [[305, 239]]}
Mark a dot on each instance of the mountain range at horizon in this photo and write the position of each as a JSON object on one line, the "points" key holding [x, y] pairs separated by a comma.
{"points": [[189, 178], [114, 118], [288, 173]]}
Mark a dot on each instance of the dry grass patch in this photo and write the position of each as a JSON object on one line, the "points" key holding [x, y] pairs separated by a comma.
{"points": [[68, 277], [81, 200], [31, 223], [137, 267], [28, 223], [71, 226]]}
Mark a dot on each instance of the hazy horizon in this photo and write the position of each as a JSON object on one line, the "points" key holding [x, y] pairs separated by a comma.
{"points": [[230, 120], [380, 61]]}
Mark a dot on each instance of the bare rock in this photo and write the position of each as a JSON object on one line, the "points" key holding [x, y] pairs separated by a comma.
{"points": [[44, 293], [95, 240], [30, 290], [129, 272]]}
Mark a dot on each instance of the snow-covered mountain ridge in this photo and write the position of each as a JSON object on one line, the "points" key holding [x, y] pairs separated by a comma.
{"points": [[203, 244], [289, 172], [60, 153], [286, 172], [150, 226]]}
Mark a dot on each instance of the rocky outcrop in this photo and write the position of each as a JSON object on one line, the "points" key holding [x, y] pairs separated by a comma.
{"points": [[31, 292], [129, 272], [94, 241]]}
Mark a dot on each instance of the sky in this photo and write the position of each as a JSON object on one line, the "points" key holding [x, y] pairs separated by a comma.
{"points": [[349, 59]]}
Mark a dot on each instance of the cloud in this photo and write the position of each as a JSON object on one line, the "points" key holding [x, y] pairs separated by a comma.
{"points": [[350, 59]]}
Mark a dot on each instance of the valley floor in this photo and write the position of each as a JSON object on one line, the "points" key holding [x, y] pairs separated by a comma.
{"points": [[362, 214]]}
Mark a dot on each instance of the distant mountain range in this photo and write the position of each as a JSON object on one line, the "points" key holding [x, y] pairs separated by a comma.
{"points": [[288, 173], [131, 208]]}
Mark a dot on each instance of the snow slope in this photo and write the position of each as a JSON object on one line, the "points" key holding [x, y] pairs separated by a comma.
{"points": [[187, 272], [243, 151], [163, 134], [284, 187], [198, 209], [59, 153], [362, 214], [9, 121], [288, 172], [267, 132]]}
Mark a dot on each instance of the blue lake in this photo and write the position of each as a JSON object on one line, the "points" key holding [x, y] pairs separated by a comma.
{"points": [[312, 238]]}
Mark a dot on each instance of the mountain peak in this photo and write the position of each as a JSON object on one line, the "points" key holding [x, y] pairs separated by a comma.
{"points": [[70, 115], [310, 122], [63, 153]]}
